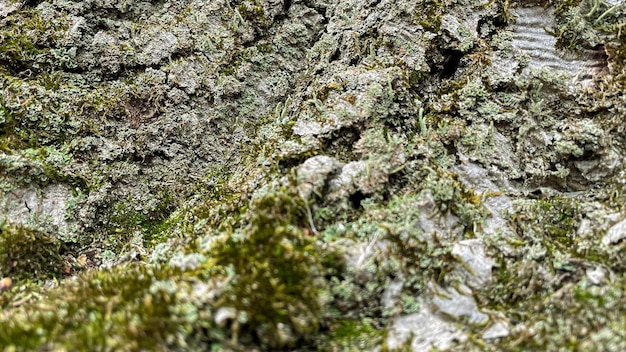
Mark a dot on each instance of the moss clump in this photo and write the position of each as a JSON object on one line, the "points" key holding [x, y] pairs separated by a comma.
{"points": [[564, 315], [27, 37], [28, 253], [152, 222], [274, 262], [21, 45], [267, 271], [617, 53], [124, 309], [421, 257], [253, 13], [353, 335], [430, 14], [551, 222]]}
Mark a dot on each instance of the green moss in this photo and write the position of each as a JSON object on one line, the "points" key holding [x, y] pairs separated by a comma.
{"points": [[261, 258], [551, 222], [451, 195], [268, 271], [430, 13], [547, 288], [28, 253], [33, 116], [21, 292], [353, 335], [252, 11], [152, 223], [618, 54], [26, 37], [124, 309], [575, 318], [7, 125], [274, 264], [19, 48]]}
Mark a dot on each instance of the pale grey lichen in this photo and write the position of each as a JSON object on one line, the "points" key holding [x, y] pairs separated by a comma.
{"points": [[423, 331]]}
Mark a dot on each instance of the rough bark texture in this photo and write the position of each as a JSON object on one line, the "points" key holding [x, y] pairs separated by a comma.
{"points": [[312, 175]]}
